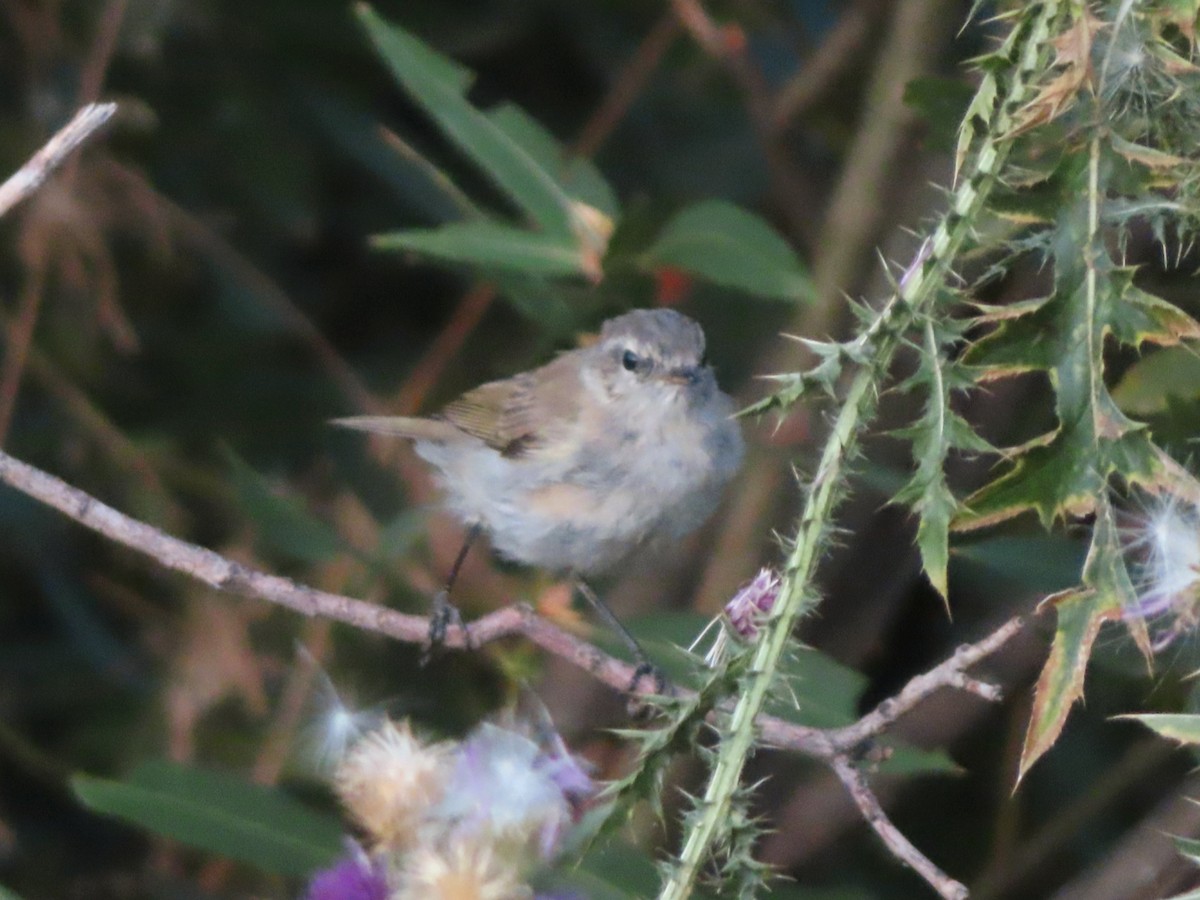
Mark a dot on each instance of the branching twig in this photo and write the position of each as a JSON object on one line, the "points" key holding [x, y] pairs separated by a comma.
{"points": [[518, 620], [628, 84], [949, 674], [900, 846], [831, 746], [70, 137]]}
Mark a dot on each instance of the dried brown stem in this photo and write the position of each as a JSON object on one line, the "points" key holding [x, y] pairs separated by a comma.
{"points": [[838, 53], [901, 847], [629, 83]]}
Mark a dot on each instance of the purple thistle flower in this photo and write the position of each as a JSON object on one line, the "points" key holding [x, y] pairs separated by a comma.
{"points": [[752, 604], [498, 788], [354, 877]]}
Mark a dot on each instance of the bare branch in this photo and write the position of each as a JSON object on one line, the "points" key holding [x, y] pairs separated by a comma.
{"points": [[896, 842], [53, 154], [947, 674], [831, 746]]}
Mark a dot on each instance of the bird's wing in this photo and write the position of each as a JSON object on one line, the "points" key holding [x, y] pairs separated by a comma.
{"points": [[517, 415]]}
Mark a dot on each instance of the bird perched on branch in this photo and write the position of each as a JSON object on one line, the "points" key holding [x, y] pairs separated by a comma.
{"points": [[575, 465]]}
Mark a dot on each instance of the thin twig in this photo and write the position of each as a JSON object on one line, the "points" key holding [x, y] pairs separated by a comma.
{"points": [[518, 620], [900, 846], [948, 674], [837, 54], [727, 45], [627, 86], [830, 746], [53, 154]]}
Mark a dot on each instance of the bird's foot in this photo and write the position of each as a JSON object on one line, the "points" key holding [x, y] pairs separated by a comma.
{"points": [[444, 615], [660, 684]]}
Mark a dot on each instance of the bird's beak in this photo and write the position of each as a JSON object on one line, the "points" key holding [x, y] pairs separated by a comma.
{"points": [[685, 375]]}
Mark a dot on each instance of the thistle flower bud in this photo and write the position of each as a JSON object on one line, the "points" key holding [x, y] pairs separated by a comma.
{"points": [[752, 604]]}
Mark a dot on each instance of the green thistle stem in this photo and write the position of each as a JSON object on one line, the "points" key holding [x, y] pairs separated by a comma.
{"points": [[915, 297]]}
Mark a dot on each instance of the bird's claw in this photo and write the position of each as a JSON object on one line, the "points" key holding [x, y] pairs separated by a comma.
{"points": [[444, 615]]}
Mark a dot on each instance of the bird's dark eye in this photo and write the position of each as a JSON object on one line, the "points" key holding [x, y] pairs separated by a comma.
{"points": [[630, 361]]}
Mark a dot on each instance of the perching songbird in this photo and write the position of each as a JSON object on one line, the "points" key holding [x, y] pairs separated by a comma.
{"points": [[574, 466]]}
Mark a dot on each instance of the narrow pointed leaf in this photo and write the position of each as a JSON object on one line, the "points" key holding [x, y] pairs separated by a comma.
{"points": [[218, 813], [726, 245], [438, 85], [579, 178], [933, 535], [1107, 591], [493, 245], [1061, 681], [1182, 727]]}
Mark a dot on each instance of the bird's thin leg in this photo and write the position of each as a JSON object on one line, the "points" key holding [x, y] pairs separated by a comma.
{"points": [[445, 613], [644, 665]]}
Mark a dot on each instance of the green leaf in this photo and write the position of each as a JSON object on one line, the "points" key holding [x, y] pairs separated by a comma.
{"points": [[1043, 564], [1182, 727], [491, 244], [726, 245], [937, 507], [6, 894], [934, 435], [1105, 593], [1064, 473], [579, 178], [902, 759], [1061, 681], [826, 693], [613, 870], [218, 813], [1147, 384], [438, 85]]}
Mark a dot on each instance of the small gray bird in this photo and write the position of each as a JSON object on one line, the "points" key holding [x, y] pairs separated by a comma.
{"points": [[575, 465]]}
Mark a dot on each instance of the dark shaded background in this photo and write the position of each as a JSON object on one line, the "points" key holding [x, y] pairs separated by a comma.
{"points": [[187, 304]]}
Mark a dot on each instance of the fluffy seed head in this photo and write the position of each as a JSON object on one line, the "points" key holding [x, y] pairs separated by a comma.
{"points": [[1164, 544], [389, 780], [464, 870]]}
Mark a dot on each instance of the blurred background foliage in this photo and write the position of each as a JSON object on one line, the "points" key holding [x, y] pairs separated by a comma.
{"points": [[189, 301]]}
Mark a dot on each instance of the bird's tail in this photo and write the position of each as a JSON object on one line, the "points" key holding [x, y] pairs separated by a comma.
{"points": [[411, 427]]}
